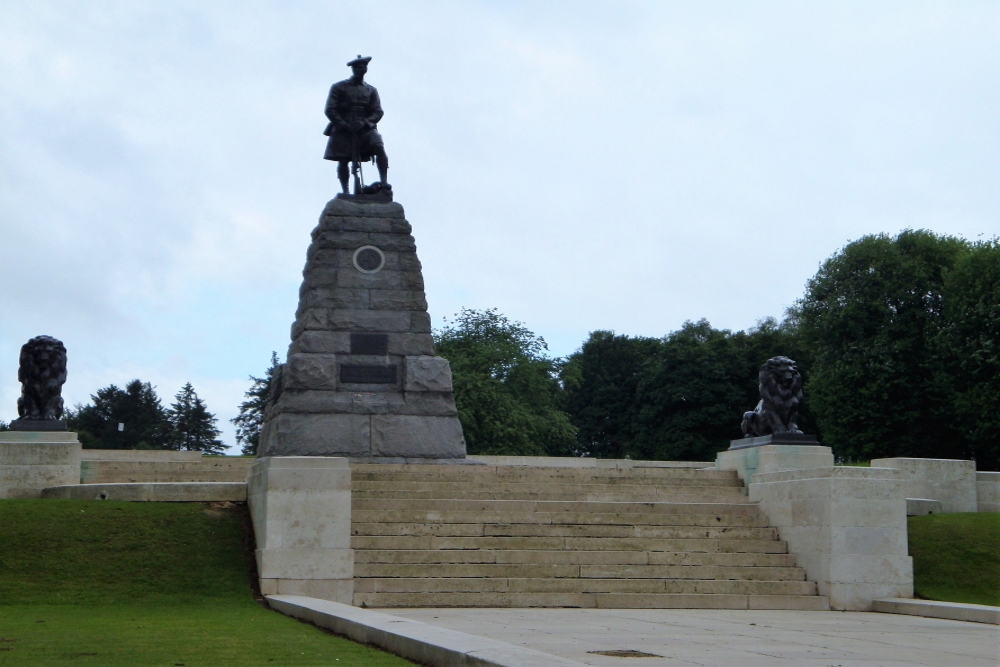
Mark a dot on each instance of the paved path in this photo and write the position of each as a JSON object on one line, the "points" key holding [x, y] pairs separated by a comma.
{"points": [[722, 637]]}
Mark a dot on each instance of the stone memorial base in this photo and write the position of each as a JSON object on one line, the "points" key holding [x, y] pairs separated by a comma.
{"points": [[774, 439], [34, 460], [361, 380], [39, 425], [750, 460], [301, 510]]}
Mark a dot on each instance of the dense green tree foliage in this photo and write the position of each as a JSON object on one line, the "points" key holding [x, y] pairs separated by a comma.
{"points": [[679, 397], [600, 382], [145, 424], [967, 347], [193, 426], [903, 332], [250, 420], [505, 387]]}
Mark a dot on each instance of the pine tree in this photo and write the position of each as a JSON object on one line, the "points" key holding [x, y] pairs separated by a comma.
{"points": [[194, 426], [250, 421], [129, 418]]}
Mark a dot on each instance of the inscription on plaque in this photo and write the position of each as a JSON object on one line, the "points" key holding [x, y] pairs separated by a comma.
{"points": [[368, 374], [368, 259], [362, 343]]}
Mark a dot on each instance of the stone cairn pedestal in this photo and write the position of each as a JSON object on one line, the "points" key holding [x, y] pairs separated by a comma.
{"points": [[361, 379]]}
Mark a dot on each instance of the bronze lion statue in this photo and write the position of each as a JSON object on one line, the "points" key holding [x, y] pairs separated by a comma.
{"points": [[780, 396], [42, 374]]}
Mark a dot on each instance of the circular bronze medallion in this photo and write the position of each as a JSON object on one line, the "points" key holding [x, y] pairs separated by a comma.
{"points": [[368, 259]]}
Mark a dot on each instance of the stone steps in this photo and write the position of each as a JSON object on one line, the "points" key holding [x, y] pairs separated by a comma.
{"points": [[565, 530], [571, 585], [583, 495], [583, 507], [443, 556], [517, 536], [593, 600], [543, 518], [489, 474]]}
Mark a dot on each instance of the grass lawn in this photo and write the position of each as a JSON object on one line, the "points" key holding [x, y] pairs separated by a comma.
{"points": [[956, 557], [111, 583]]}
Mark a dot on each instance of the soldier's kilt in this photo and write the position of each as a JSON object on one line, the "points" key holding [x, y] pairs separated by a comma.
{"points": [[339, 145]]}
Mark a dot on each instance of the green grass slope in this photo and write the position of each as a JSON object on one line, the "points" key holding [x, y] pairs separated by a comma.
{"points": [[956, 557], [107, 583]]}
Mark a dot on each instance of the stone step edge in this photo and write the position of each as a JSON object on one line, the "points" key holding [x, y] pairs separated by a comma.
{"points": [[955, 611], [608, 507], [602, 600], [422, 643]]}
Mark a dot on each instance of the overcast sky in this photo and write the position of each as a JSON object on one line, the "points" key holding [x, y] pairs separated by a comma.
{"points": [[577, 165]]}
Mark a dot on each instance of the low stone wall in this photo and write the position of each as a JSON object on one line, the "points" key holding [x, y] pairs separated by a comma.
{"points": [[951, 481], [201, 469], [138, 455], [301, 509], [164, 492], [988, 491], [846, 527]]}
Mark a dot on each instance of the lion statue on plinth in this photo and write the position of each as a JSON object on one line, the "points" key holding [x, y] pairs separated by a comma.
{"points": [[780, 396], [42, 374]]}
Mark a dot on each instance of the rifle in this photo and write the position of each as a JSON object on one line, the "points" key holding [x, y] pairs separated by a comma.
{"points": [[359, 182]]}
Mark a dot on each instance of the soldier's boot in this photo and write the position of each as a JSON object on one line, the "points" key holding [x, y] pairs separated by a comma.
{"points": [[382, 163], [344, 175]]}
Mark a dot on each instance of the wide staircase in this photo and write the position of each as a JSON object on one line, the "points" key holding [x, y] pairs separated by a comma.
{"points": [[522, 536]]}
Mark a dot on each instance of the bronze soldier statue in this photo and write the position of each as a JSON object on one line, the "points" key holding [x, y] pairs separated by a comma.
{"points": [[354, 111]]}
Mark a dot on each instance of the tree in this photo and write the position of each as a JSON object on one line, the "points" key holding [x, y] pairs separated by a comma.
{"points": [[137, 408], [193, 425], [680, 397], [870, 318], [967, 350], [600, 382], [4, 426], [250, 420], [505, 387]]}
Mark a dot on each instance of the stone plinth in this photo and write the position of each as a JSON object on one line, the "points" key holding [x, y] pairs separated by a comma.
{"points": [[361, 379], [951, 481], [34, 460], [801, 439], [846, 527], [749, 461], [301, 510]]}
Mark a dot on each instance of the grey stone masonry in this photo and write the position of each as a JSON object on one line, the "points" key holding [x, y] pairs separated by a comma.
{"points": [[361, 379]]}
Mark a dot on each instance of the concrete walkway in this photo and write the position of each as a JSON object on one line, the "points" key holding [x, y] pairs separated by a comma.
{"points": [[724, 637]]}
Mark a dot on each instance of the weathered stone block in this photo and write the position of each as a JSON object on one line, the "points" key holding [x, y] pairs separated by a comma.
{"points": [[311, 371], [293, 434], [417, 437], [410, 344], [333, 342], [427, 374], [389, 321], [397, 300]]}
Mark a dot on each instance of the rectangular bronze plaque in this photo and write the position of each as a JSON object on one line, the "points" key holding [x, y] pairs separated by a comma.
{"points": [[363, 343], [368, 374]]}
